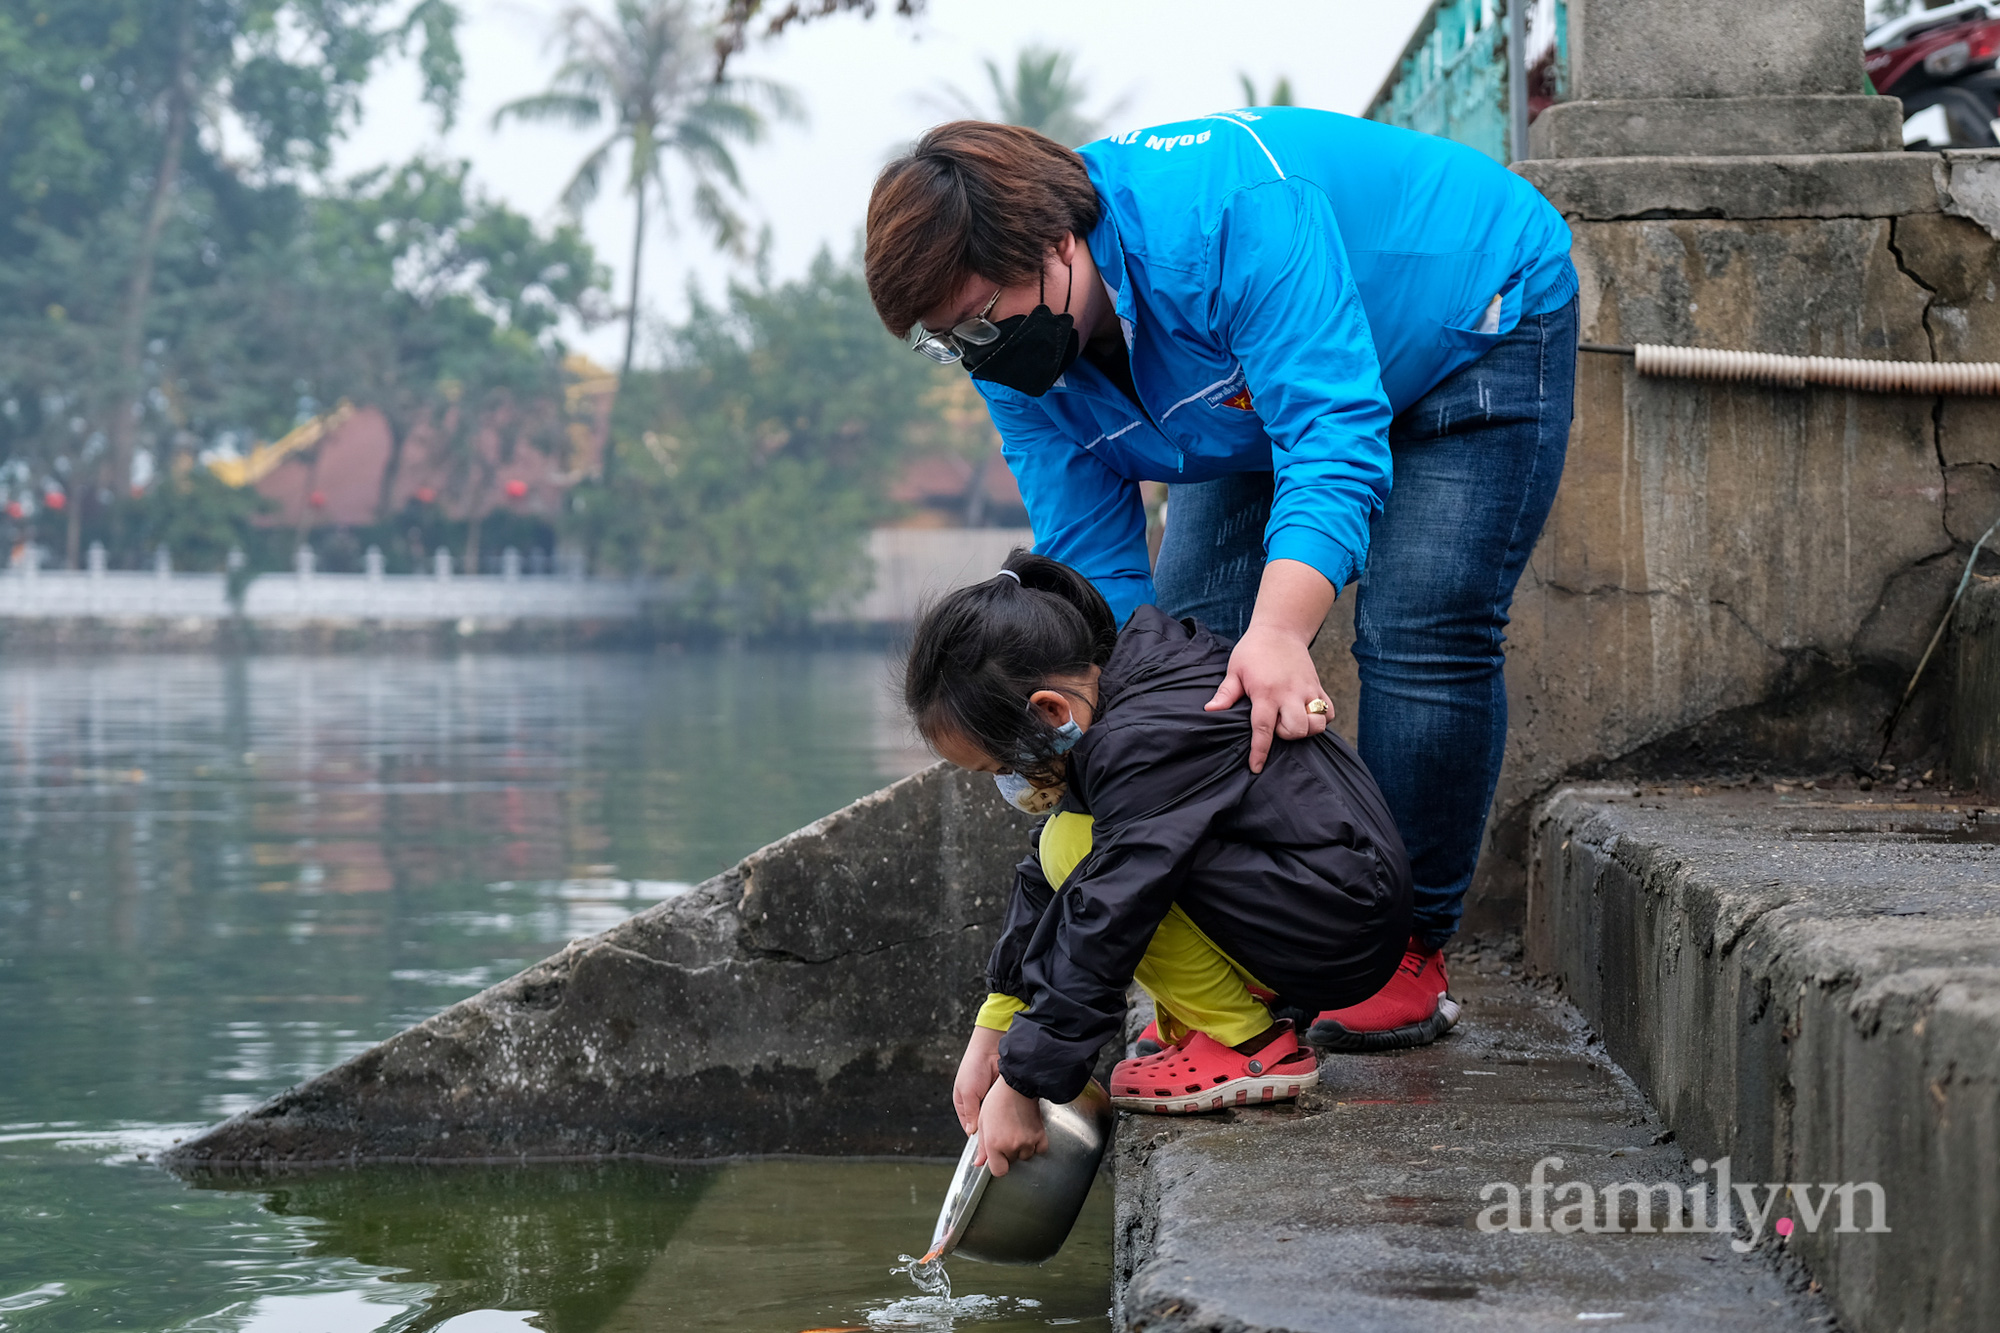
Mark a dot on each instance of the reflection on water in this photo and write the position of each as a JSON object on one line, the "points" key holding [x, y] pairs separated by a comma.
{"points": [[218, 877], [771, 1245], [616, 1247]]}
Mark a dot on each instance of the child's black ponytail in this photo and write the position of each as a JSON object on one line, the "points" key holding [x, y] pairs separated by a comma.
{"points": [[980, 651]]}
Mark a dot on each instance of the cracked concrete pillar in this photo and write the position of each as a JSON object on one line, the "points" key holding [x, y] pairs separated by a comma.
{"points": [[1734, 577], [1660, 78]]}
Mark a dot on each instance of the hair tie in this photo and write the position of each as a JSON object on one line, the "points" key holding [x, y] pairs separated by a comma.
{"points": [[1008, 573]]}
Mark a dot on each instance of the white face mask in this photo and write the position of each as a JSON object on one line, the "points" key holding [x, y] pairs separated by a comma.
{"points": [[1025, 795], [1022, 794]]}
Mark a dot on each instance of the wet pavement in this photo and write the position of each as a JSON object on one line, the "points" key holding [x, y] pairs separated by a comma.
{"points": [[1361, 1208]]}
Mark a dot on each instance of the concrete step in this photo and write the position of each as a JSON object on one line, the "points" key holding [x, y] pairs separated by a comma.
{"points": [[1360, 1209], [1809, 982]]}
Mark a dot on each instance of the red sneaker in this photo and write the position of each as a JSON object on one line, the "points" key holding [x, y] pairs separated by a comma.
{"points": [[1205, 1075], [1412, 1009]]}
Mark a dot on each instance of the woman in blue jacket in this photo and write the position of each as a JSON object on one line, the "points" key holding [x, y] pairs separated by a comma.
{"points": [[1277, 312]]}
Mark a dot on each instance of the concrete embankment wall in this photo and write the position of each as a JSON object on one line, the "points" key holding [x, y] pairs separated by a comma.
{"points": [[1975, 664], [1810, 986], [1743, 576], [813, 999]]}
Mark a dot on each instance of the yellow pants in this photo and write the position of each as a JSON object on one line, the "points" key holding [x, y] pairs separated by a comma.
{"points": [[1194, 984]]}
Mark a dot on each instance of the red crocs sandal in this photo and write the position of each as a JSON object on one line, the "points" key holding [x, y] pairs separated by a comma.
{"points": [[1205, 1075], [1149, 1041]]}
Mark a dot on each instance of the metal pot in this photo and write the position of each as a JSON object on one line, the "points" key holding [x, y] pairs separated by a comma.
{"points": [[1025, 1216]]}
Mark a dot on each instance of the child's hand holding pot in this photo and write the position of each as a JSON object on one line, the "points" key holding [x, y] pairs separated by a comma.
{"points": [[1010, 1128], [977, 1072]]}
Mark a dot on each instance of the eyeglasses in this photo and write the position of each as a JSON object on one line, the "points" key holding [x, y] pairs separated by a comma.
{"points": [[944, 348]]}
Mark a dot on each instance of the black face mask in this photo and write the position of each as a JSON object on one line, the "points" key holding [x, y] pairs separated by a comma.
{"points": [[1032, 351]]}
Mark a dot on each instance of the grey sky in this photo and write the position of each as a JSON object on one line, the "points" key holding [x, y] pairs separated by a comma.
{"points": [[870, 85]]}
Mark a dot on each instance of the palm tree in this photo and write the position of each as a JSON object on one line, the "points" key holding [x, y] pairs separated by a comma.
{"points": [[1044, 95], [1281, 92], [647, 71]]}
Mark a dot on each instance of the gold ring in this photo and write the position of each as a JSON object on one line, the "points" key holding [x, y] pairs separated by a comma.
{"points": [[1316, 707]]}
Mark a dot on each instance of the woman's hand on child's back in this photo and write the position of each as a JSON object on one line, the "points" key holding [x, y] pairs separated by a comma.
{"points": [[1272, 663], [1010, 1128], [977, 1072]]}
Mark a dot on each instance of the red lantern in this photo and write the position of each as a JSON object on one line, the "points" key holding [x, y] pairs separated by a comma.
{"points": [[14, 509], [317, 500], [425, 495], [516, 488], [55, 500]]}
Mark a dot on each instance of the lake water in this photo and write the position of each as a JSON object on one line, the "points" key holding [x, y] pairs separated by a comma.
{"points": [[220, 876]]}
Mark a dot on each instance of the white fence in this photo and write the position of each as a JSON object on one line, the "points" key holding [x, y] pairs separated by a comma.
{"points": [[912, 566], [386, 598]]}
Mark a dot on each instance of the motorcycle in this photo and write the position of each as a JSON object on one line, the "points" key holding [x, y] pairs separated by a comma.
{"points": [[1941, 64]]}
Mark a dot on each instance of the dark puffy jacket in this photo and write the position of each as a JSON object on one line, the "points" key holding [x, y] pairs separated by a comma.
{"points": [[1296, 872]]}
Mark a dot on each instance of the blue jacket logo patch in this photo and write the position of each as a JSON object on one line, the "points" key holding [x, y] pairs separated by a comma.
{"points": [[1232, 392]]}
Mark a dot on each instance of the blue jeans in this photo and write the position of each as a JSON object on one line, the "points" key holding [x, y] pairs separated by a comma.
{"points": [[1476, 460]]}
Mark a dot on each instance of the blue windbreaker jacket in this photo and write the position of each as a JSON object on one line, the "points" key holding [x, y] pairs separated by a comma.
{"points": [[1287, 280]]}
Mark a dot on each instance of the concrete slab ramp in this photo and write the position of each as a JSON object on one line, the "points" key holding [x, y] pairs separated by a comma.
{"points": [[812, 999]]}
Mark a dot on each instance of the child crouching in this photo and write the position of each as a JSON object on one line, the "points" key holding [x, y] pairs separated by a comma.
{"points": [[1225, 893]]}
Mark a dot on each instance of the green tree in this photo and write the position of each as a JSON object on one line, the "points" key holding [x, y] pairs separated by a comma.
{"points": [[1042, 92], [407, 291], [775, 428], [646, 72], [733, 28], [291, 72], [193, 515], [119, 210], [1280, 95]]}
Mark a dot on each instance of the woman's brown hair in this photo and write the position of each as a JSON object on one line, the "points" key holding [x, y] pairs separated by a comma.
{"points": [[970, 197]]}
